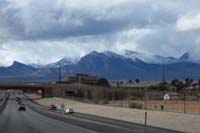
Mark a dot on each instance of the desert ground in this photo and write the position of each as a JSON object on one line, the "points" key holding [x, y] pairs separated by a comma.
{"points": [[170, 120], [172, 105]]}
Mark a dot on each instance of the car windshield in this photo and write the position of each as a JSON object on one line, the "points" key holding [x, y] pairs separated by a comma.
{"points": [[102, 66]]}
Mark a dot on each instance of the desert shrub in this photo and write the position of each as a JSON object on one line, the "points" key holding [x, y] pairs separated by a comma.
{"points": [[104, 101], [135, 105], [80, 93], [140, 106], [96, 102]]}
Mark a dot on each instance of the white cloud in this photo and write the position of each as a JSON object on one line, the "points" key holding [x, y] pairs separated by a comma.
{"points": [[188, 22]]}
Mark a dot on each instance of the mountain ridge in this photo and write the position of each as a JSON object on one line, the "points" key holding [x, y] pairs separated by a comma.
{"points": [[104, 64]]}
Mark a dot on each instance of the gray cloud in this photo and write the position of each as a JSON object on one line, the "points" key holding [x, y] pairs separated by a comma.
{"points": [[50, 30], [48, 20]]}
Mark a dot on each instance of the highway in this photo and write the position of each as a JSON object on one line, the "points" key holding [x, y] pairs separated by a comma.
{"points": [[14, 121], [38, 120]]}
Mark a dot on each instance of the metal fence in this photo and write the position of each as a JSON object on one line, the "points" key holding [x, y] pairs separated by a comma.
{"points": [[186, 101]]}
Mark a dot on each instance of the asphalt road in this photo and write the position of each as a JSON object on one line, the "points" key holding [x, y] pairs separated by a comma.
{"points": [[14, 121]]}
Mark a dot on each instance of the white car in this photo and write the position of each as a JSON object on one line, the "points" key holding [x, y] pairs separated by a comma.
{"points": [[69, 111]]}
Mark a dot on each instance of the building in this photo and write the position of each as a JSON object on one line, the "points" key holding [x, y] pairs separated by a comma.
{"points": [[82, 78], [166, 97], [171, 96]]}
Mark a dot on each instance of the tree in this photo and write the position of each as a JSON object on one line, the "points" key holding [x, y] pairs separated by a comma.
{"points": [[199, 83], [103, 82], [180, 86], [137, 80], [163, 86], [153, 87], [80, 93], [177, 84], [174, 82], [188, 81], [89, 95]]}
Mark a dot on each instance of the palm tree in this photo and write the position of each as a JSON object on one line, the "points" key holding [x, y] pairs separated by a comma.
{"points": [[175, 83], [188, 82], [137, 80]]}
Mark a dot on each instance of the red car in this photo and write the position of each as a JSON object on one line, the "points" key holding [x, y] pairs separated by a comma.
{"points": [[52, 107]]}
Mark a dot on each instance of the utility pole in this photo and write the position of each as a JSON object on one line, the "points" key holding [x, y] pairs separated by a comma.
{"points": [[145, 123], [184, 100], [60, 72], [145, 99], [163, 73]]}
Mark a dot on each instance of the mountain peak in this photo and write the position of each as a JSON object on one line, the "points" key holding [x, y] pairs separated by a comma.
{"points": [[148, 58], [62, 62], [94, 52], [112, 54], [16, 63], [185, 57]]}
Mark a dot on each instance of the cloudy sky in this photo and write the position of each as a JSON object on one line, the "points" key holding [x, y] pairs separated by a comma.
{"points": [[43, 31]]}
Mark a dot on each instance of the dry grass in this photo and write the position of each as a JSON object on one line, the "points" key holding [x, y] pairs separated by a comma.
{"points": [[174, 105]]}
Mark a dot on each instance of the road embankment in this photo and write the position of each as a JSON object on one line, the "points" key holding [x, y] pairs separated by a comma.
{"points": [[84, 123], [95, 123]]}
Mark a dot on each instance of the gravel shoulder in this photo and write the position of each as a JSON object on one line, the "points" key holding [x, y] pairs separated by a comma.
{"points": [[170, 120]]}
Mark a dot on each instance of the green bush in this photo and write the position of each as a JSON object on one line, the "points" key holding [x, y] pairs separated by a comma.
{"points": [[135, 105]]}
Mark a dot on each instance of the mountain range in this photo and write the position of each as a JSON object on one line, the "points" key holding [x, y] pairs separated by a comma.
{"points": [[113, 66]]}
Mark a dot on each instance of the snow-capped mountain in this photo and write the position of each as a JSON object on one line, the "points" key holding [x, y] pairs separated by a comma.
{"points": [[112, 54], [185, 57], [63, 62], [149, 58], [135, 56], [109, 65]]}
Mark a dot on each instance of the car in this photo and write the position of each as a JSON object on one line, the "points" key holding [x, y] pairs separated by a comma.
{"points": [[52, 107], [18, 99], [22, 108], [69, 111], [19, 102]]}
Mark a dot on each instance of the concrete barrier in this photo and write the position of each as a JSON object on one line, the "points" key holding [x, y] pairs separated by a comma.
{"points": [[3, 102]]}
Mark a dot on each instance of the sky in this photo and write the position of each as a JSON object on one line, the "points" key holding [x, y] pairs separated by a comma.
{"points": [[43, 31]]}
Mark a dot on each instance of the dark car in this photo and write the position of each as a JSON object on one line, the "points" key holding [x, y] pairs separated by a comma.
{"points": [[19, 102], [52, 107], [22, 108], [18, 99]]}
